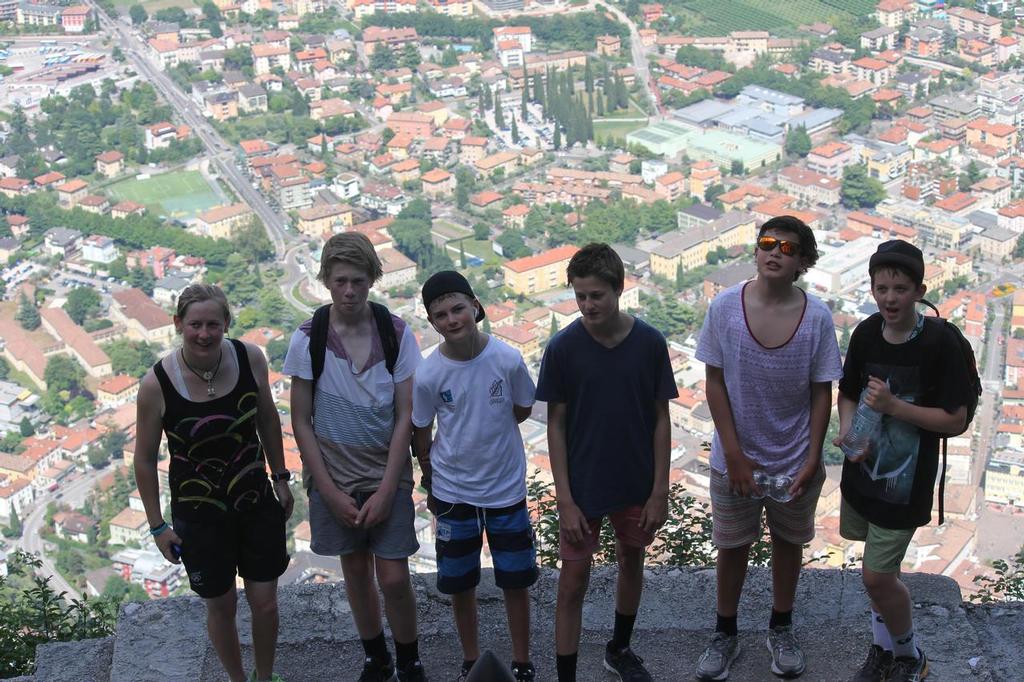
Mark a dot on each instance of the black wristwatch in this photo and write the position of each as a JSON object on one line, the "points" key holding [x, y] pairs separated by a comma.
{"points": [[282, 476]]}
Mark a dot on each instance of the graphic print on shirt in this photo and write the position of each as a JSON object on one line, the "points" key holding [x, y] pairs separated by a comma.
{"points": [[496, 392], [892, 460], [214, 450]]}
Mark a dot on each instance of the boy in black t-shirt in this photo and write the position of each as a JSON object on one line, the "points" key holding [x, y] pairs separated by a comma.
{"points": [[607, 380], [910, 370]]}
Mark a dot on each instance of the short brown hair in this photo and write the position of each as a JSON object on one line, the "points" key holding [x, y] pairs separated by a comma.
{"points": [[800, 229], [598, 260], [353, 248], [198, 293]]}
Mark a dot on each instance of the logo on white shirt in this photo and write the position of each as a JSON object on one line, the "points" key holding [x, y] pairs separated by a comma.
{"points": [[446, 396]]}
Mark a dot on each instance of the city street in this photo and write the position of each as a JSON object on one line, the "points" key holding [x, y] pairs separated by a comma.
{"points": [[72, 492]]}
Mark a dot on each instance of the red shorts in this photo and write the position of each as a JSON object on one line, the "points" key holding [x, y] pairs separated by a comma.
{"points": [[625, 522]]}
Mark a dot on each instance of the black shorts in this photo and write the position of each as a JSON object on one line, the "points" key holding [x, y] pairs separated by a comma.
{"points": [[251, 544]]}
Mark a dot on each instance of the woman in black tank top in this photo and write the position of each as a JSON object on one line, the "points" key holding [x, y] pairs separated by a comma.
{"points": [[211, 398]]}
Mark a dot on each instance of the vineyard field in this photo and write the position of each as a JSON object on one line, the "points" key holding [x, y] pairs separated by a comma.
{"points": [[721, 17]]}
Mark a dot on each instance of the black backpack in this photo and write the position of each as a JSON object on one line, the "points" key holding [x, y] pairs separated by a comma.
{"points": [[969, 393], [318, 338], [318, 348]]}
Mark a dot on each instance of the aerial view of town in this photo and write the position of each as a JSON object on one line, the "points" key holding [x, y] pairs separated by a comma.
{"points": [[147, 145]]}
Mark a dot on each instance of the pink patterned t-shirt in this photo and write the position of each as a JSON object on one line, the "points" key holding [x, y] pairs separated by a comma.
{"points": [[769, 388]]}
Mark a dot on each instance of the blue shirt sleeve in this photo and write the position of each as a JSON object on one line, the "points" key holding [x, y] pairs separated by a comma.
{"points": [[665, 388], [550, 384]]}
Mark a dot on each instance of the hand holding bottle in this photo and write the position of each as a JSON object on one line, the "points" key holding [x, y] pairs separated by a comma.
{"points": [[877, 396]]}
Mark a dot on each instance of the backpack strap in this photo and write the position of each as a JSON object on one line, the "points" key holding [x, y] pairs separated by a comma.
{"points": [[318, 341], [386, 332], [942, 485], [932, 306]]}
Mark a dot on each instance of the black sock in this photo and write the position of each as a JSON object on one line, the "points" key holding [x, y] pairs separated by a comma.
{"points": [[781, 619], [376, 648], [622, 632], [407, 653], [566, 666], [726, 624]]}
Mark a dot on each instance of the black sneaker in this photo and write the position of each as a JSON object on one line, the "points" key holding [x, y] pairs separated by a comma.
{"points": [[464, 671], [907, 669], [875, 667], [626, 664], [412, 672], [524, 672], [375, 670]]}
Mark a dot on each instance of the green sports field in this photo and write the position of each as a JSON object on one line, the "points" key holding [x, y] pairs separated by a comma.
{"points": [[179, 194]]}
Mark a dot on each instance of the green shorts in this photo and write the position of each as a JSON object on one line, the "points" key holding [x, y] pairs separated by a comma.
{"points": [[884, 548]]}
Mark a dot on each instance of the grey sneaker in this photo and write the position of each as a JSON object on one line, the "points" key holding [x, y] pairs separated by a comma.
{"points": [[714, 663], [875, 666], [905, 669], [787, 657]]}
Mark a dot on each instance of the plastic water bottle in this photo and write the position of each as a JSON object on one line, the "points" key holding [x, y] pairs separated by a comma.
{"points": [[865, 423], [775, 487]]}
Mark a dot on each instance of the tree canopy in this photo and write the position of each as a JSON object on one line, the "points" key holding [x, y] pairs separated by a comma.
{"points": [[859, 190], [82, 303]]}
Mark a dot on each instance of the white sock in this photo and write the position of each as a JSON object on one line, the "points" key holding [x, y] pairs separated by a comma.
{"points": [[879, 631], [903, 646]]}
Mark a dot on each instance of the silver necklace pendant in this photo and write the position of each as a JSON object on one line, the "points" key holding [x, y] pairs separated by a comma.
{"points": [[207, 376], [210, 390]]}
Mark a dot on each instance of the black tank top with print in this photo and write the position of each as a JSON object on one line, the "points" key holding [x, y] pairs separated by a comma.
{"points": [[217, 463]]}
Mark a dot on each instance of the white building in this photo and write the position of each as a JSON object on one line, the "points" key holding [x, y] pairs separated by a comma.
{"points": [[843, 268], [99, 249]]}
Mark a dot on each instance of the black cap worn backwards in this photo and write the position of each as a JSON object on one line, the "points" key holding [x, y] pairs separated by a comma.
{"points": [[899, 252], [448, 282]]}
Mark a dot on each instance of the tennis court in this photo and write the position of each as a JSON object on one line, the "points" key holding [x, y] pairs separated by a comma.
{"points": [[179, 194]]}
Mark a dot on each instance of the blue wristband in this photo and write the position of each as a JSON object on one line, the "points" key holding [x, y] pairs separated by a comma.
{"points": [[159, 529]]}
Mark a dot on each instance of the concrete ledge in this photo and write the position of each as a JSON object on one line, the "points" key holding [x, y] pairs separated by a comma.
{"points": [[165, 641], [85, 660]]}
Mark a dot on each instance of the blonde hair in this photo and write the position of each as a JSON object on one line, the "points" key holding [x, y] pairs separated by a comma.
{"points": [[353, 248], [198, 293]]}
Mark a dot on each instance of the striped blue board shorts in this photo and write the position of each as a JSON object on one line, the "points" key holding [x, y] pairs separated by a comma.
{"points": [[459, 539]]}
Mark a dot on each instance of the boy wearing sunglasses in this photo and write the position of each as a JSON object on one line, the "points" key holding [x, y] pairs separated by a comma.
{"points": [[771, 354]]}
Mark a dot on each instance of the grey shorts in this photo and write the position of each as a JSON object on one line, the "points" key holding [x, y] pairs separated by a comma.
{"points": [[393, 538], [736, 520]]}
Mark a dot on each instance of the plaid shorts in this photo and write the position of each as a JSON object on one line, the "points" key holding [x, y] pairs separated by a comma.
{"points": [[736, 520]]}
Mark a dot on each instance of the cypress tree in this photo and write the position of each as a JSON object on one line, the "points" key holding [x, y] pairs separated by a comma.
{"points": [[600, 105], [549, 95], [558, 138], [588, 77], [27, 316], [515, 131], [499, 114], [522, 104]]}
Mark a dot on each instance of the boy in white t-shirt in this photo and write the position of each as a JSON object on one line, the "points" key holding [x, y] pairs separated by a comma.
{"points": [[479, 391]]}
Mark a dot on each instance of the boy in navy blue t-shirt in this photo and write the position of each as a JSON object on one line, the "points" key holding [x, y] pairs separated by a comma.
{"points": [[607, 380]]}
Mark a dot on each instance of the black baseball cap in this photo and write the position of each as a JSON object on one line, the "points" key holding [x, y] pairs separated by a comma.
{"points": [[899, 252], [448, 282]]}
